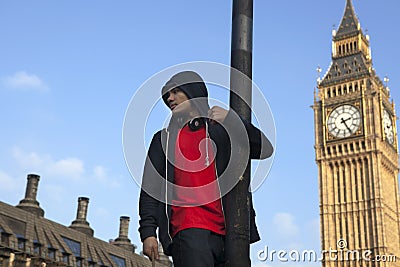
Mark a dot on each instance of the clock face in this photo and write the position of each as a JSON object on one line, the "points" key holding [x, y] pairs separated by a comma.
{"points": [[344, 121], [388, 127]]}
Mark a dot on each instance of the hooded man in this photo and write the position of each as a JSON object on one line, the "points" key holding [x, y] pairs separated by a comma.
{"points": [[187, 170]]}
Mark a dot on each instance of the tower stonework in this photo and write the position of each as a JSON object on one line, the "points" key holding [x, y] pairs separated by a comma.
{"points": [[356, 150]]}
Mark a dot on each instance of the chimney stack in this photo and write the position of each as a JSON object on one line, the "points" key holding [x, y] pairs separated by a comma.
{"points": [[122, 240], [124, 227], [81, 224], [29, 203]]}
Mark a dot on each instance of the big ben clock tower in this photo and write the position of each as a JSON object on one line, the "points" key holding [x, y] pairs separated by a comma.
{"points": [[356, 150]]}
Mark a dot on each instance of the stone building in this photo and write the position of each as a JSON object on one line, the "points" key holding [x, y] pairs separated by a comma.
{"points": [[28, 239], [356, 150]]}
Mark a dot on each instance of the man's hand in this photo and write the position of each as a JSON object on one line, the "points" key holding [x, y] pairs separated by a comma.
{"points": [[217, 114], [150, 248]]}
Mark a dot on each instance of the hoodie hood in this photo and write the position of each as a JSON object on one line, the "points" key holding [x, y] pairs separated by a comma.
{"points": [[193, 86]]}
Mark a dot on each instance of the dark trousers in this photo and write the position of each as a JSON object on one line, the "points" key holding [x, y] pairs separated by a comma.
{"points": [[196, 247]]}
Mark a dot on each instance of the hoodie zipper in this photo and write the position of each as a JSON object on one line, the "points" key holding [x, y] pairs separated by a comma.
{"points": [[220, 196], [216, 176]]}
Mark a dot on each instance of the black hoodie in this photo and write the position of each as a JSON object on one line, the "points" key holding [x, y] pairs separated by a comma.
{"points": [[158, 174]]}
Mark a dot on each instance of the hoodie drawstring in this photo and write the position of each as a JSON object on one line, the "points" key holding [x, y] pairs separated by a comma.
{"points": [[207, 163]]}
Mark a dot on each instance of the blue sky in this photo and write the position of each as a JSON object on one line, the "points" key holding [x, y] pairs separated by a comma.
{"points": [[69, 69]]}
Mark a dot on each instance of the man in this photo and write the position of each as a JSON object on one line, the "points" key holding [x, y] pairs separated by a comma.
{"points": [[182, 179]]}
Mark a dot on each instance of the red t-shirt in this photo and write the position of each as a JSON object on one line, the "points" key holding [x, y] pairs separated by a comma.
{"points": [[192, 206]]}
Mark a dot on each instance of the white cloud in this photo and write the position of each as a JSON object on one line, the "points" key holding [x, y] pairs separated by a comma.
{"points": [[71, 168], [285, 225], [7, 182], [66, 168], [29, 160], [313, 227], [101, 175], [22, 80], [56, 194], [102, 213]]}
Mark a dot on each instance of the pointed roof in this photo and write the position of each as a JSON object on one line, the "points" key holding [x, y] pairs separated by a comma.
{"points": [[349, 24], [346, 68], [350, 65]]}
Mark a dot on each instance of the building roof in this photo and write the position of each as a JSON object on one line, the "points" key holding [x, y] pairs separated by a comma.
{"points": [[345, 68], [27, 238], [354, 63], [31, 236], [349, 24]]}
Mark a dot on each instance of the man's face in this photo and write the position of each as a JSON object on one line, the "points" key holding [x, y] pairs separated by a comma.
{"points": [[178, 101]]}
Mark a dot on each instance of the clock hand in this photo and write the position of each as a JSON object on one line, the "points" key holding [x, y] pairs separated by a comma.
{"points": [[344, 122], [348, 128]]}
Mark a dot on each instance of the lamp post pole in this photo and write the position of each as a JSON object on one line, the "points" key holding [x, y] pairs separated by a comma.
{"points": [[237, 246]]}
